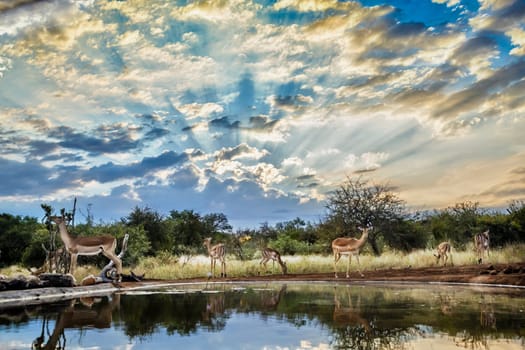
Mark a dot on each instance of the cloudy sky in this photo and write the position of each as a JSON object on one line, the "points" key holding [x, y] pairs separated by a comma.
{"points": [[257, 109]]}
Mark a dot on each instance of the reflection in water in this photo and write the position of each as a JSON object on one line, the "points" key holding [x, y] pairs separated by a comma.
{"points": [[87, 312], [275, 316], [353, 330]]}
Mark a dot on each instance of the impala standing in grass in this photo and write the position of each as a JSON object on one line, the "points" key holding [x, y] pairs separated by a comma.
{"points": [[443, 252], [216, 252], [349, 246], [272, 254], [482, 245], [89, 245]]}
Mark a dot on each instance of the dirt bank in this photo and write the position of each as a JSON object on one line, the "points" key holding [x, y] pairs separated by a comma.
{"points": [[493, 274]]}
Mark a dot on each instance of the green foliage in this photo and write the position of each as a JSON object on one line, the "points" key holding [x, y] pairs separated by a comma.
{"points": [[138, 242], [181, 233], [153, 224], [516, 221], [286, 245], [186, 228], [406, 235], [34, 255], [15, 237]]}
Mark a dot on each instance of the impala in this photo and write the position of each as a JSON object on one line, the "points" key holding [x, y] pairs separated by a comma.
{"points": [[443, 251], [216, 252], [348, 315], [481, 244], [272, 254], [93, 245], [349, 246]]}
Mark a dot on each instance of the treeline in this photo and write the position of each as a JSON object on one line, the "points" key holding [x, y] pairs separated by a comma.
{"points": [[356, 203]]}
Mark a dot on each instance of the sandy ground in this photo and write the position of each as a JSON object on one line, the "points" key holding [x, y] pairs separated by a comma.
{"points": [[502, 274]]}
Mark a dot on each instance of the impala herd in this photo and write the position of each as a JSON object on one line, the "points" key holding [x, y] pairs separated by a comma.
{"points": [[341, 246]]}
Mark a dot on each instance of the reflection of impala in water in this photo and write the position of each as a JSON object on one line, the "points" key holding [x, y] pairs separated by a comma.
{"points": [[91, 313], [215, 305], [487, 318], [348, 315], [270, 300]]}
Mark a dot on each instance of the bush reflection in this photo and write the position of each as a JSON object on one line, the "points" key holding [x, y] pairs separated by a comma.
{"points": [[358, 317]]}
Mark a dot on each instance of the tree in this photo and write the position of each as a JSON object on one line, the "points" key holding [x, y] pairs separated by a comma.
{"points": [[216, 223], [516, 215], [457, 224], [152, 222], [187, 229], [359, 202], [16, 234]]}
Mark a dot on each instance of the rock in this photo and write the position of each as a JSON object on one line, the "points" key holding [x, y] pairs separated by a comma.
{"points": [[57, 280], [89, 280]]}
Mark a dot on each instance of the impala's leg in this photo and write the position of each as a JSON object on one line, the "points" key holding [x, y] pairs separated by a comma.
{"points": [[348, 265], [224, 266], [337, 256], [73, 263], [263, 263], [359, 265]]}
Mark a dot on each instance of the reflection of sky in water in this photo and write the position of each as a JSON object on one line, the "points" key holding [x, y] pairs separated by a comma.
{"points": [[288, 317], [241, 331], [251, 332]]}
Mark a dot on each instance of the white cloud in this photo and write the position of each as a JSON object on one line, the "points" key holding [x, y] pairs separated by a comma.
{"points": [[292, 162], [242, 151], [517, 37], [194, 110], [218, 12], [266, 174], [449, 3]]}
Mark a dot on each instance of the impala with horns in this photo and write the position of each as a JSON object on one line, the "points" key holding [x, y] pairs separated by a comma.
{"points": [[349, 246], [90, 245]]}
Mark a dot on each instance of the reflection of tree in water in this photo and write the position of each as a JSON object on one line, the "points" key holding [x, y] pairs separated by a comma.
{"points": [[475, 338], [177, 313], [186, 313], [382, 319], [357, 317], [352, 330], [355, 325]]}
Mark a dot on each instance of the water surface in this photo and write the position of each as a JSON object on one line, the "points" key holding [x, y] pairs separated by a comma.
{"points": [[275, 316]]}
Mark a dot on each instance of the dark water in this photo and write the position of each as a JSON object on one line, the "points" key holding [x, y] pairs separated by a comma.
{"points": [[275, 316]]}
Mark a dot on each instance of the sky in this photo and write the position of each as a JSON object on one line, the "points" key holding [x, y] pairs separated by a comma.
{"points": [[258, 109]]}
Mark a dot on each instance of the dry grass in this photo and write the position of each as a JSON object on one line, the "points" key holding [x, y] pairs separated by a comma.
{"points": [[199, 266], [170, 267]]}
